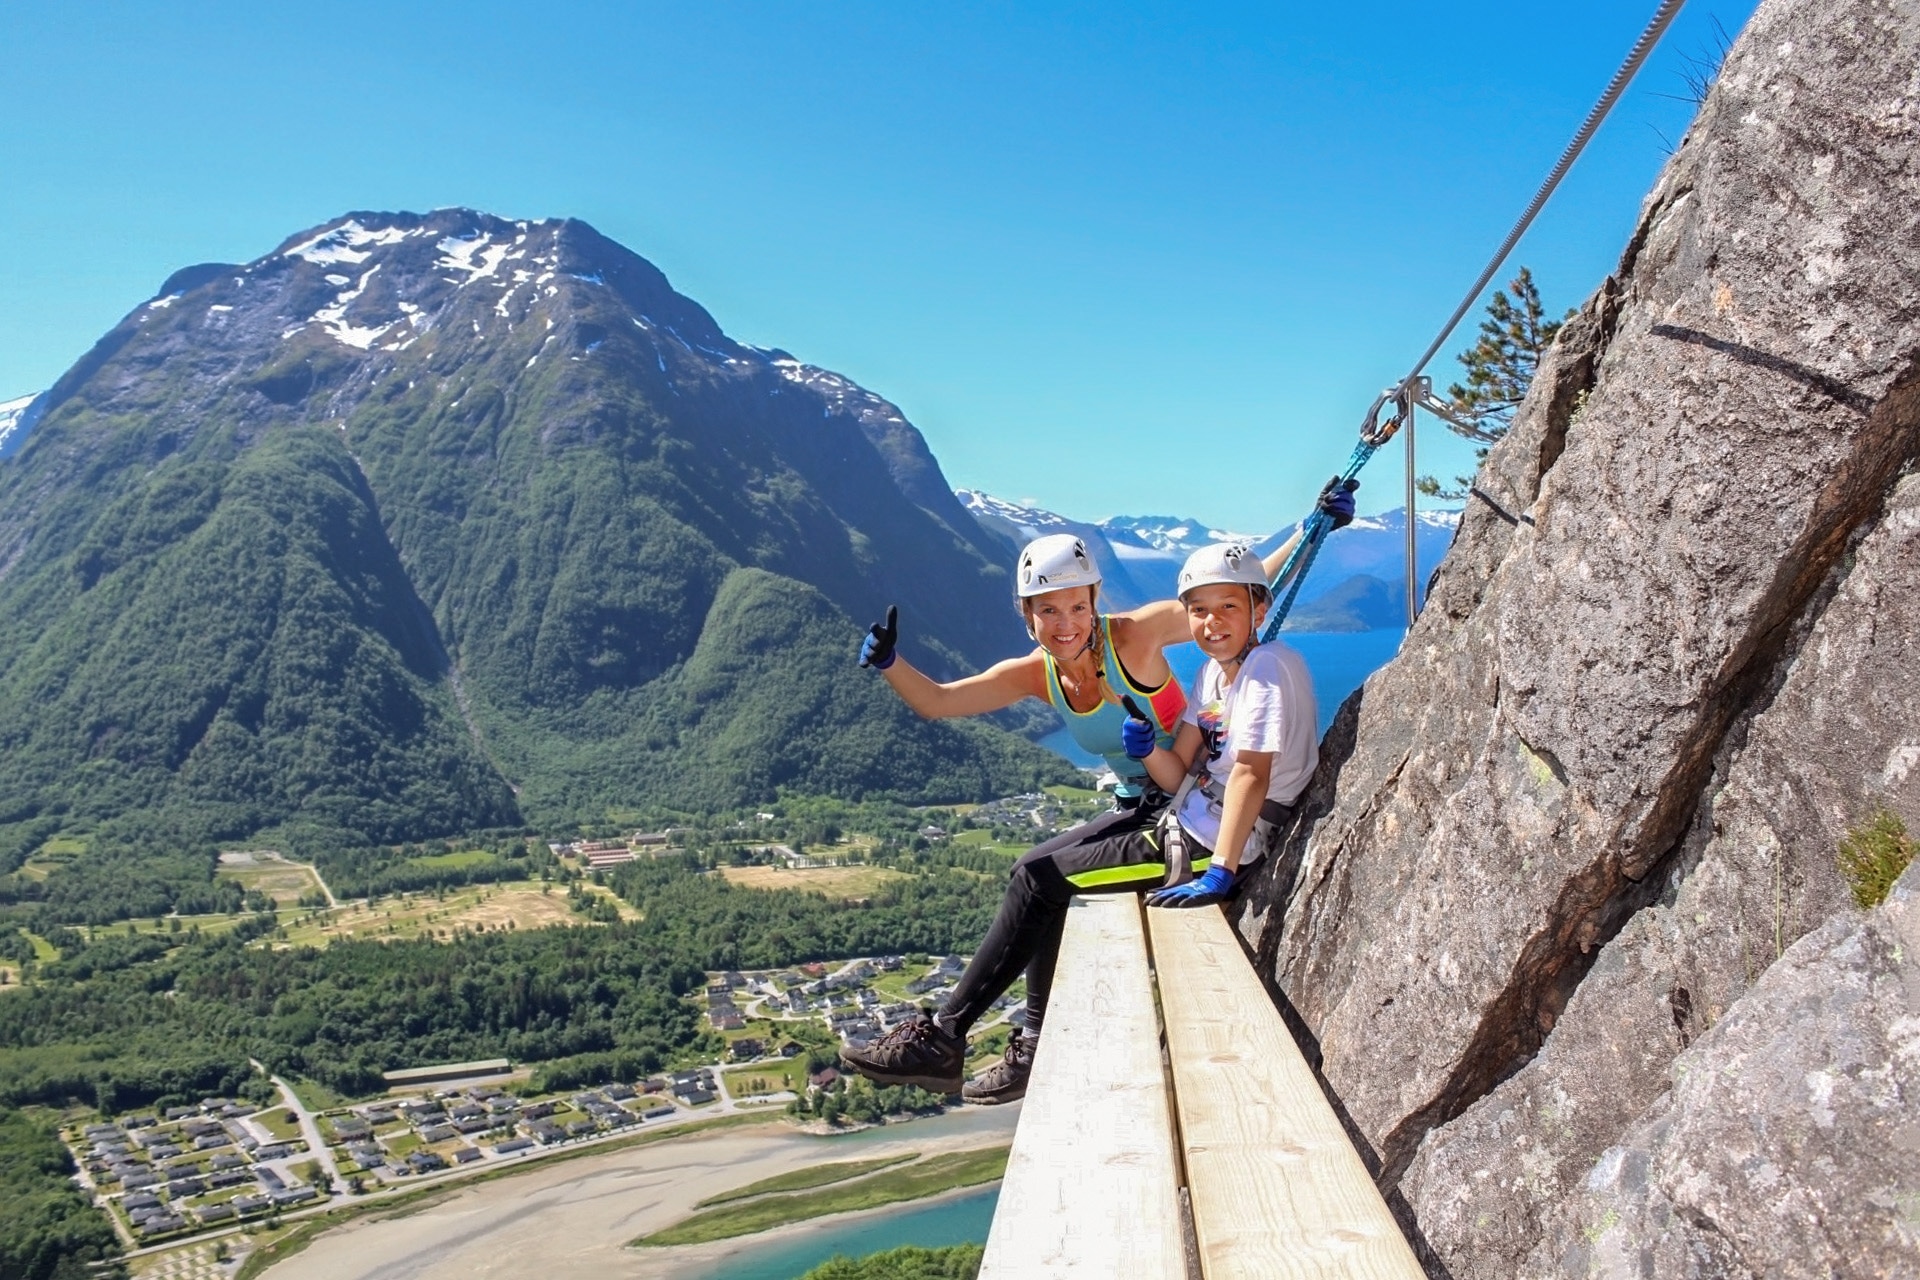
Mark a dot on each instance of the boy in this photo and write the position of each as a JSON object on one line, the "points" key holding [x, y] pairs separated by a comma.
{"points": [[1250, 726]]}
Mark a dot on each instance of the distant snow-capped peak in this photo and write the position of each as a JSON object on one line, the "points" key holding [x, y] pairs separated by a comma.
{"points": [[1140, 556], [1170, 534]]}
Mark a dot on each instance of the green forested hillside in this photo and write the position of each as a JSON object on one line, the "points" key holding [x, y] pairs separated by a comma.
{"points": [[226, 646]]}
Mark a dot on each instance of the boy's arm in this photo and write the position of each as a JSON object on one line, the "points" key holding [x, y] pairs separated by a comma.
{"points": [[1271, 564], [1246, 791]]}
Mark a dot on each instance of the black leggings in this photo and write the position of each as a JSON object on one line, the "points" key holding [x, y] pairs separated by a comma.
{"points": [[1114, 853]]}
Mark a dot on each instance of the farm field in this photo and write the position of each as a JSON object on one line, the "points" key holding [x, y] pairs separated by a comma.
{"points": [[285, 881], [768, 1077], [476, 909], [834, 882], [977, 839], [51, 856]]}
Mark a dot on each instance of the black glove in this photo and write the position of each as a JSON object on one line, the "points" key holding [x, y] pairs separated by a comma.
{"points": [[1336, 501], [876, 650]]}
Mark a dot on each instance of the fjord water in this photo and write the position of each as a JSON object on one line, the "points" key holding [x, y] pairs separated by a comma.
{"points": [[959, 1220]]}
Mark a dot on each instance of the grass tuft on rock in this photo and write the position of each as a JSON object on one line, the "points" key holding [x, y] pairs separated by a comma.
{"points": [[1873, 855]]}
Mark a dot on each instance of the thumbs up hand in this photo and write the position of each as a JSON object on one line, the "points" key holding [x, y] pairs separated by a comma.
{"points": [[1137, 733], [876, 650]]}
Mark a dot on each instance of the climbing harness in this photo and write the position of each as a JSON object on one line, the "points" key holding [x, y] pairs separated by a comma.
{"points": [[1415, 391]]}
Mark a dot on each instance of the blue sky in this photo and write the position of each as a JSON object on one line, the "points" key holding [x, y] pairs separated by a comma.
{"points": [[1090, 250]]}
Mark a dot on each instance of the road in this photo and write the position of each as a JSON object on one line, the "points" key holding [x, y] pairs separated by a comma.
{"points": [[309, 1128]]}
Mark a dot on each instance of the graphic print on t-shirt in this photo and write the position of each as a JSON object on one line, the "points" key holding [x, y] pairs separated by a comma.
{"points": [[1212, 719]]}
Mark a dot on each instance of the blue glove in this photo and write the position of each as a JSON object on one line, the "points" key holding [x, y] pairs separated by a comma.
{"points": [[1212, 887], [1136, 734], [876, 650], [1336, 501]]}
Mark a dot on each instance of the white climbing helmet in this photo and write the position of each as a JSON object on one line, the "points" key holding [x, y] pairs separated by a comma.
{"points": [[1054, 562], [1220, 562]]}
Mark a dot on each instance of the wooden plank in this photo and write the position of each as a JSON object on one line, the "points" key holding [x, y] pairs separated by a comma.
{"points": [[1091, 1187], [1277, 1188]]}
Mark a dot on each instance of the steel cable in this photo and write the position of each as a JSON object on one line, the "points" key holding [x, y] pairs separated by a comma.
{"points": [[1638, 54]]}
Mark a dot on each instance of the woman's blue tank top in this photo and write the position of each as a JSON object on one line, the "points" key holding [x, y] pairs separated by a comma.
{"points": [[1098, 730]]}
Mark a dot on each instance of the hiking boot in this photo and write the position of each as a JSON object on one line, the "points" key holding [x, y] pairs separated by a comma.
{"points": [[1006, 1080], [917, 1052]]}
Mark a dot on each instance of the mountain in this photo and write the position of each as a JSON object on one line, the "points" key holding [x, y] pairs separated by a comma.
{"points": [[16, 419], [1140, 557], [427, 522]]}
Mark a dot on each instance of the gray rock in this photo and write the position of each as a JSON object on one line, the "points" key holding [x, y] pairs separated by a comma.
{"points": [[1840, 737], [1789, 1145], [1696, 456]]}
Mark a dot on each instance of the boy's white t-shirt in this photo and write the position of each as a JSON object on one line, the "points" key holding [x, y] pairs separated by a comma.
{"points": [[1268, 707]]}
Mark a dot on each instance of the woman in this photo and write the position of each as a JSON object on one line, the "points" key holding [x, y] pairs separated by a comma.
{"points": [[1087, 666]]}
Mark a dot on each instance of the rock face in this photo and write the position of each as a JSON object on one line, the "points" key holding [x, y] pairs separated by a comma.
{"points": [[1789, 1145], [1668, 662]]}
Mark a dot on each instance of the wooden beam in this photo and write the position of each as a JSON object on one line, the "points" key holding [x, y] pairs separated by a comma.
{"points": [[1277, 1188], [1091, 1187]]}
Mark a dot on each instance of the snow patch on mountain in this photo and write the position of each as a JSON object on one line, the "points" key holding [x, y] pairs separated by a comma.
{"points": [[333, 318], [478, 256], [16, 419], [840, 395], [349, 243]]}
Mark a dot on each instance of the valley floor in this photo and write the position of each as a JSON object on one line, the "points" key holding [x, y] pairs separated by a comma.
{"points": [[572, 1221]]}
